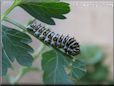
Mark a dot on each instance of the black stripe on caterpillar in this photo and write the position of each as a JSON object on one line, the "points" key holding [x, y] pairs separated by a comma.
{"points": [[68, 44]]}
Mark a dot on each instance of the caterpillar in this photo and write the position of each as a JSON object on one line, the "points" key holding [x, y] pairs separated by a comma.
{"points": [[68, 44]]}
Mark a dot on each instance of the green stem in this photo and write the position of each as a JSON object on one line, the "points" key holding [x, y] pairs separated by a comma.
{"points": [[14, 23], [23, 71], [32, 34], [17, 78], [16, 2], [39, 51]]}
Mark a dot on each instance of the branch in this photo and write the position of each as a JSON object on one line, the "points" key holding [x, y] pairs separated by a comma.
{"points": [[14, 23], [31, 33], [15, 3]]}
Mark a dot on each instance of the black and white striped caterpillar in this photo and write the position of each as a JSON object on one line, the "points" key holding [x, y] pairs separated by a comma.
{"points": [[68, 44]]}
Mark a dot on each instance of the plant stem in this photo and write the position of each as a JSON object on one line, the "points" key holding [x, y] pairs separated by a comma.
{"points": [[22, 72], [31, 33], [15, 3], [17, 78], [15, 23], [38, 51]]}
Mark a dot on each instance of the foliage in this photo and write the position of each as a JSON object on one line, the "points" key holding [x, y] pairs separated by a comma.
{"points": [[15, 43], [46, 11], [54, 63], [53, 66], [97, 71], [91, 54], [15, 46]]}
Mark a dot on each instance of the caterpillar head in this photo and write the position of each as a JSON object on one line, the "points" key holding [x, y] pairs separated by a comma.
{"points": [[32, 25]]}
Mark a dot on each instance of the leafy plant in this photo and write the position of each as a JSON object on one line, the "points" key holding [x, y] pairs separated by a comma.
{"points": [[58, 67], [15, 46], [97, 70]]}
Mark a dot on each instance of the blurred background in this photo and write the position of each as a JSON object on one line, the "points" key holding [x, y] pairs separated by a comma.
{"points": [[91, 23]]}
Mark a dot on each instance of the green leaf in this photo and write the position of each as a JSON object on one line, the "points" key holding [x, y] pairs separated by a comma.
{"points": [[53, 65], [46, 1], [91, 54], [15, 46], [5, 62], [51, 57], [96, 73], [78, 69], [44, 11], [100, 74]]}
